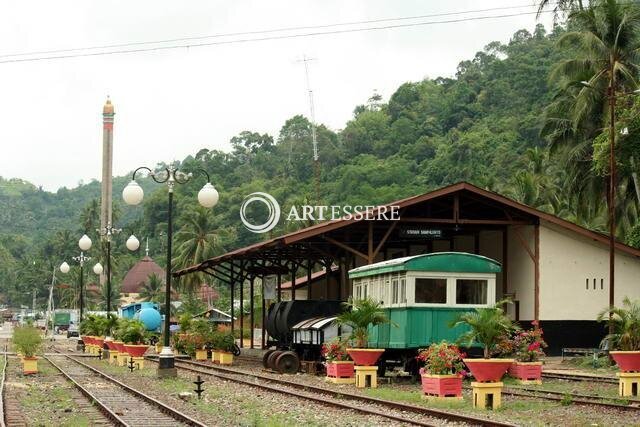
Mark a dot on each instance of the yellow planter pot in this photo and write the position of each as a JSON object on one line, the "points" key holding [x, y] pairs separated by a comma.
{"points": [[158, 347], [215, 356], [226, 358], [201, 354], [30, 365]]}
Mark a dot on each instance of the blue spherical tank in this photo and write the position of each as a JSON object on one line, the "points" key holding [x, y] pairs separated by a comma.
{"points": [[150, 317]]}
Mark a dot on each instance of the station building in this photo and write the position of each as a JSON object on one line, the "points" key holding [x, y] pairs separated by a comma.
{"points": [[554, 271]]}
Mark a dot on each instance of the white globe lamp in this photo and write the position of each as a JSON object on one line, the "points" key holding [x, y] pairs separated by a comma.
{"points": [[133, 243], [132, 193], [208, 196], [64, 267], [97, 268], [84, 243]]}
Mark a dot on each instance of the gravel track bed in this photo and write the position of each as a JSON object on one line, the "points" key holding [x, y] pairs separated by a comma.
{"points": [[520, 411], [226, 403]]}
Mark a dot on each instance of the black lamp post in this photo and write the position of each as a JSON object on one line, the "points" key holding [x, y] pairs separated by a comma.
{"points": [[107, 233], [207, 197]]}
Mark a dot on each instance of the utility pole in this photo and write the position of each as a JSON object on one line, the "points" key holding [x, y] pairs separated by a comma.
{"points": [[316, 159], [33, 304]]}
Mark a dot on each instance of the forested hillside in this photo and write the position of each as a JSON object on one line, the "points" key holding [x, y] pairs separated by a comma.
{"points": [[482, 126]]}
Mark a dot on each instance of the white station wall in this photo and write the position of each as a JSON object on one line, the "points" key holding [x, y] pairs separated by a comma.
{"points": [[574, 275]]}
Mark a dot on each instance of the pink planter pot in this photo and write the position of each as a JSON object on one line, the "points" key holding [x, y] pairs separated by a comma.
{"points": [[136, 350], [99, 341], [340, 369], [627, 361], [488, 370], [526, 371], [87, 340], [119, 345], [442, 385], [111, 345], [365, 356]]}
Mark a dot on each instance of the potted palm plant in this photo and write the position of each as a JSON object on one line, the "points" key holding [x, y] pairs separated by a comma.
{"points": [[486, 326], [359, 316], [339, 367], [27, 341], [134, 336], [528, 348], [443, 370], [201, 335], [625, 339]]}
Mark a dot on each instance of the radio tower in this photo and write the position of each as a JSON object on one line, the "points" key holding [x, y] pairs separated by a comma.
{"points": [[316, 158]]}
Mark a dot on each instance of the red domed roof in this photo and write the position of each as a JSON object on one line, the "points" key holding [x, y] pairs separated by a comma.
{"points": [[139, 274]]}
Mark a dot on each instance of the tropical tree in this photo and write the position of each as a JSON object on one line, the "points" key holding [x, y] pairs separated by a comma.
{"points": [[359, 315], [624, 324], [605, 59], [153, 289], [486, 326]]}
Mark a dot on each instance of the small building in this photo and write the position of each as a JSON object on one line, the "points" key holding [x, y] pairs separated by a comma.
{"points": [[214, 315], [137, 277]]}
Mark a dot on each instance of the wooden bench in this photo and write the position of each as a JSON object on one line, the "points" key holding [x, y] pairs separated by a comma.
{"points": [[584, 351]]}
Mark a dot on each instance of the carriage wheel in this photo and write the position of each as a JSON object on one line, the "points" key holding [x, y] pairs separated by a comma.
{"points": [[265, 358], [271, 360], [287, 363]]}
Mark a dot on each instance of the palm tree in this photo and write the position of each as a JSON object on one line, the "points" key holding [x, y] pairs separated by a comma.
{"points": [[361, 314], [605, 60], [624, 323], [195, 242], [153, 289], [486, 326]]}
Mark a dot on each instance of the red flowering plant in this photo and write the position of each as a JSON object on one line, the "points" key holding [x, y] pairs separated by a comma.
{"points": [[529, 344], [441, 359], [335, 350]]}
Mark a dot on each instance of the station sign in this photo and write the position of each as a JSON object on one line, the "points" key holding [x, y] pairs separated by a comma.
{"points": [[421, 233]]}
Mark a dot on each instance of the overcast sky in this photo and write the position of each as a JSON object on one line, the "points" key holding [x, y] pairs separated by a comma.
{"points": [[171, 103]]}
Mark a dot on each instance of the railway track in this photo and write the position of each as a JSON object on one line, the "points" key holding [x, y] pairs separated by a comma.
{"points": [[3, 420], [578, 377], [387, 409], [120, 403], [576, 398]]}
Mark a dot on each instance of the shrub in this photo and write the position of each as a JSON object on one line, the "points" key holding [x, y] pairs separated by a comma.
{"points": [[27, 340], [625, 323], [359, 316], [131, 331], [529, 344], [442, 359], [488, 326], [224, 341], [335, 350]]}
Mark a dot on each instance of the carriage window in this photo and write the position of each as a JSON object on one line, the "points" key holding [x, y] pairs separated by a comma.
{"points": [[394, 291], [471, 291], [356, 292], [432, 291], [403, 291], [365, 287]]}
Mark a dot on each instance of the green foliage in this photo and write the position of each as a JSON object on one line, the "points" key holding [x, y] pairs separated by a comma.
{"points": [[96, 326], [185, 323], [130, 331], [27, 340], [359, 315], [487, 326], [625, 323], [224, 341]]}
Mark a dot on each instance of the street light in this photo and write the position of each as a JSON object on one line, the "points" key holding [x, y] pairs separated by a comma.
{"points": [[133, 195], [107, 233], [84, 244]]}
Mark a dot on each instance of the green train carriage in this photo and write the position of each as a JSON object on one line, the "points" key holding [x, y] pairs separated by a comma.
{"points": [[421, 295]]}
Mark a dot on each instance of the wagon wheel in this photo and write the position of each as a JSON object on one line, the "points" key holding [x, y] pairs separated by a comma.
{"points": [[265, 358], [236, 350], [271, 360], [287, 363]]}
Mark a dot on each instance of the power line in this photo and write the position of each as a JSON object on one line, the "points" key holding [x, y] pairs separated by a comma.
{"points": [[268, 31], [267, 38]]}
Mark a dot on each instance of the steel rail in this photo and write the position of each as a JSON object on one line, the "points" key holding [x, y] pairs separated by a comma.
{"points": [[335, 394], [178, 416], [582, 399], [578, 377], [3, 421]]}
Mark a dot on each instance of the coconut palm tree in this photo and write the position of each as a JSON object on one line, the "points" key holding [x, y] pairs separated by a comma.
{"points": [[195, 242], [605, 59], [153, 289]]}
